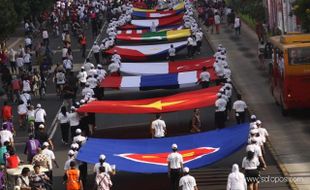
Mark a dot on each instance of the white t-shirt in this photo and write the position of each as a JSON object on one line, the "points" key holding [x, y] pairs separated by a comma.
{"points": [[22, 109], [64, 52], [159, 126], [171, 51], [96, 48], [187, 182], [39, 115], [175, 159], [106, 165], [220, 104], [26, 86], [82, 76], [239, 106], [63, 119], [254, 148], [79, 138], [74, 119], [263, 133], [45, 34], [67, 163], [60, 78], [205, 76], [25, 97], [113, 67], [6, 135], [51, 156], [250, 164]]}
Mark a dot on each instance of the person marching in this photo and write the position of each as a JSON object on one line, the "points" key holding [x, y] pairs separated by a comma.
{"points": [[187, 182], [175, 166]]}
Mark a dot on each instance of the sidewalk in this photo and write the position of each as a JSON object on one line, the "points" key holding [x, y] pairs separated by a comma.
{"points": [[289, 136]]}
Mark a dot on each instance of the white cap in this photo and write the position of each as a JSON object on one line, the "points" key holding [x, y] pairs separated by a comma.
{"points": [[253, 116], [186, 170], [74, 145], [174, 146], [82, 67], [78, 131], [102, 157], [41, 126], [82, 101], [38, 105], [258, 122], [45, 144], [219, 95], [71, 152], [73, 108], [99, 66]]}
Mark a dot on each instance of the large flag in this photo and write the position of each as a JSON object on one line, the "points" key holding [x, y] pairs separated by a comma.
{"points": [[157, 14], [159, 29], [181, 101], [145, 52], [153, 68], [150, 155], [140, 24], [170, 35], [176, 7], [151, 82]]}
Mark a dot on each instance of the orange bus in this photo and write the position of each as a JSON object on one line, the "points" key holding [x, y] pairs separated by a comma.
{"points": [[290, 71]]}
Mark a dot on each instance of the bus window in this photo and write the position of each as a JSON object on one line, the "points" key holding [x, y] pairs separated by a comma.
{"points": [[299, 56]]}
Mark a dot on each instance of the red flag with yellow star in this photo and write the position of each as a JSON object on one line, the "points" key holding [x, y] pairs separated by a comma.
{"points": [[182, 101]]}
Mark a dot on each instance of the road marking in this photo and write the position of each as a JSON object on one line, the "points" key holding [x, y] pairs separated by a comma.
{"points": [[14, 43]]}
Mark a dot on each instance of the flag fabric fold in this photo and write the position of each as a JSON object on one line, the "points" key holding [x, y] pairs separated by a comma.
{"points": [[150, 155], [154, 68], [145, 52], [181, 101], [176, 7], [170, 35]]}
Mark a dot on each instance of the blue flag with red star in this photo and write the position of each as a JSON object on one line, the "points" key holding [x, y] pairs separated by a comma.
{"points": [[150, 155]]}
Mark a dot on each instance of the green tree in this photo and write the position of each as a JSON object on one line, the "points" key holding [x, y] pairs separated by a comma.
{"points": [[301, 9], [8, 18], [22, 8]]}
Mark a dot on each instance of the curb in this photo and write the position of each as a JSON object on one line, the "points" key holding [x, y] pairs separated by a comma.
{"points": [[273, 152]]}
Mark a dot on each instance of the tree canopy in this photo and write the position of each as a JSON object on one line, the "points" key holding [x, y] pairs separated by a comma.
{"points": [[301, 8]]}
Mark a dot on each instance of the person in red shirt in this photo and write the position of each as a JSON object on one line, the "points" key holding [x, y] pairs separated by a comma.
{"points": [[12, 161], [6, 111], [16, 87]]}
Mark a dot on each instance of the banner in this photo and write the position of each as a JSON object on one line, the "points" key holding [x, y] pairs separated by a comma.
{"points": [[150, 155]]}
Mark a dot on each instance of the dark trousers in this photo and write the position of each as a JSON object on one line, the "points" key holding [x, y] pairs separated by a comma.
{"points": [[36, 125], [83, 51], [171, 58], [240, 117], [83, 176], [73, 128], [204, 84], [13, 66], [65, 131], [189, 51], [96, 55], [174, 178], [199, 46], [220, 118]]}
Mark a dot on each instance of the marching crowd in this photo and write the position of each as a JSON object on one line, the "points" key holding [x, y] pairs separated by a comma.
{"points": [[24, 81]]}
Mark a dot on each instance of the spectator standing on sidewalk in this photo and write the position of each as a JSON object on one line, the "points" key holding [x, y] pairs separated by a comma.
{"points": [[96, 51], [237, 26], [63, 120], [175, 166], [83, 45], [236, 179], [240, 108], [217, 22]]}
